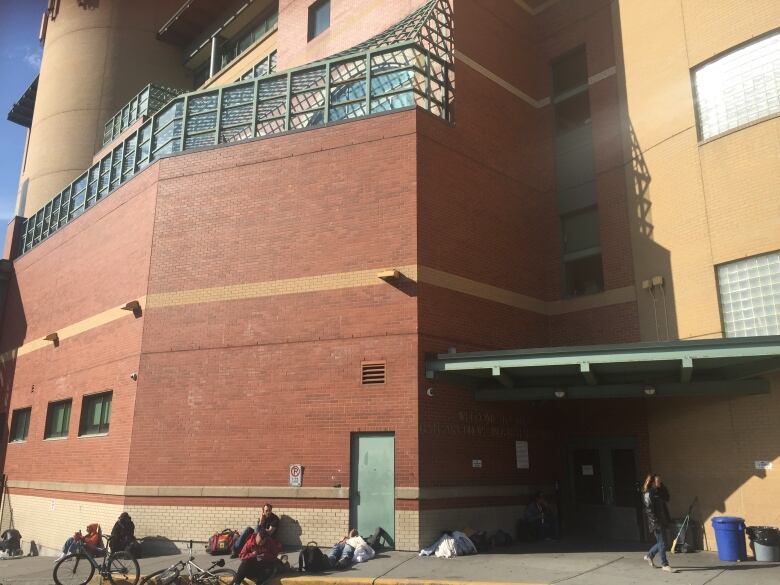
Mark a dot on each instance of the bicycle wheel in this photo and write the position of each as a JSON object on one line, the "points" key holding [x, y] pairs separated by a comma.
{"points": [[164, 577], [216, 577], [73, 569], [123, 569]]}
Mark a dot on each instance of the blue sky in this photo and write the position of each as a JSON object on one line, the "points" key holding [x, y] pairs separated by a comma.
{"points": [[20, 59]]}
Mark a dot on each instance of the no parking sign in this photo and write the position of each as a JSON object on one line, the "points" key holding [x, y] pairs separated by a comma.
{"points": [[296, 474]]}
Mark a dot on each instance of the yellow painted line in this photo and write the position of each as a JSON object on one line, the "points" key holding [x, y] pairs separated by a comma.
{"points": [[336, 580]]}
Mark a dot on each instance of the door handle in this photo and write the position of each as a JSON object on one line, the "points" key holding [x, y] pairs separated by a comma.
{"points": [[603, 494]]}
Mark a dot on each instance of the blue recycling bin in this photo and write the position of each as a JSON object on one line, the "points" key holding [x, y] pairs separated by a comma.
{"points": [[730, 536]]}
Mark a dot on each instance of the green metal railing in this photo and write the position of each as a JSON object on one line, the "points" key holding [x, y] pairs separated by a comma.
{"points": [[345, 87], [148, 101]]}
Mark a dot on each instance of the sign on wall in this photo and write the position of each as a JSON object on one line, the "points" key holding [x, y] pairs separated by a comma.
{"points": [[521, 454], [763, 464], [296, 475]]}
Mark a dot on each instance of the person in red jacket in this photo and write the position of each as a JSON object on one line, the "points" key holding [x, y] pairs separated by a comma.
{"points": [[258, 558]]}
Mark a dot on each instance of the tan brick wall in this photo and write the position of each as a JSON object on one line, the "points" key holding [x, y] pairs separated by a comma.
{"points": [[182, 523], [407, 530], [706, 448], [50, 521]]}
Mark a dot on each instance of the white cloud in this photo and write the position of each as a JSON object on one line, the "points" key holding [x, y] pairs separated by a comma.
{"points": [[33, 58]]}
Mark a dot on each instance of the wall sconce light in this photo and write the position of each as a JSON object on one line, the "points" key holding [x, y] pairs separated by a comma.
{"points": [[54, 338], [388, 275], [133, 306], [560, 393], [649, 391]]}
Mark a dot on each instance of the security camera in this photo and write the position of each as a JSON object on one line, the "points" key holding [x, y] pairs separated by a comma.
{"points": [[134, 376]]}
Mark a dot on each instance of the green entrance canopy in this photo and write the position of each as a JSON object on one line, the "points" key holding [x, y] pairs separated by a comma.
{"points": [[675, 368]]}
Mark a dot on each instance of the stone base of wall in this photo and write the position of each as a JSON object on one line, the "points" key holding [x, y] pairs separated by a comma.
{"points": [[50, 521]]}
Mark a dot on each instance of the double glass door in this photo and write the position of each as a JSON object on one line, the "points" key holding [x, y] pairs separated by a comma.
{"points": [[603, 499]]}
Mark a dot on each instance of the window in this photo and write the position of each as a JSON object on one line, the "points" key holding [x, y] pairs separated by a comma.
{"points": [[319, 18], [57, 420], [738, 88], [95, 414], [265, 67], [20, 425], [749, 293], [247, 37], [575, 176]]}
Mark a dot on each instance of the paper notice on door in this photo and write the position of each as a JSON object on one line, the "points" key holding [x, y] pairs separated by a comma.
{"points": [[521, 454], [587, 470]]}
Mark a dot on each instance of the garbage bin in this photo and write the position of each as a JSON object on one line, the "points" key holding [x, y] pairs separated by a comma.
{"points": [[730, 536], [765, 542]]}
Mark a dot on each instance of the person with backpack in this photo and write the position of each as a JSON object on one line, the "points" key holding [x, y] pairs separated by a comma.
{"points": [[123, 535], [654, 498], [267, 525], [258, 558]]}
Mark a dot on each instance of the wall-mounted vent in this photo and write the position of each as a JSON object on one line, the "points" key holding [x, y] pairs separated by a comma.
{"points": [[372, 372]]}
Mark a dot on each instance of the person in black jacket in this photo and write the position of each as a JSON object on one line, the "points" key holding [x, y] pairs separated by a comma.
{"points": [[654, 497], [10, 541], [123, 535]]}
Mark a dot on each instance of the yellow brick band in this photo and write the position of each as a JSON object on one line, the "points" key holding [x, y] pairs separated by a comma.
{"points": [[337, 281]]}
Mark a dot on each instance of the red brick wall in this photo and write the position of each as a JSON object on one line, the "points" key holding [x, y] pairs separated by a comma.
{"points": [[351, 23], [98, 262], [280, 375]]}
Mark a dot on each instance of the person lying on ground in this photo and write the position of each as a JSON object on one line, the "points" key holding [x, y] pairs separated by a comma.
{"points": [[267, 525], [92, 541], [258, 558], [351, 547]]}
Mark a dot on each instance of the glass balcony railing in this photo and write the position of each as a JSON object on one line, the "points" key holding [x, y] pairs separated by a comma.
{"points": [[149, 100], [345, 87]]}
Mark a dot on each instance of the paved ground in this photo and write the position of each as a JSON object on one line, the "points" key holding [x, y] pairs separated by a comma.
{"points": [[537, 564]]}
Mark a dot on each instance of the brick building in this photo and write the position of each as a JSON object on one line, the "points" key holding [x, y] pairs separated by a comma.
{"points": [[439, 254]]}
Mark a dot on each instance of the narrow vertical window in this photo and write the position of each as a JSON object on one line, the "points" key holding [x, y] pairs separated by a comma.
{"points": [[575, 177], [319, 18], [57, 420], [20, 425]]}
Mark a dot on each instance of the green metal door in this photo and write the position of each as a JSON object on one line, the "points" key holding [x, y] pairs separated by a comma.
{"points": [[372, 486]]}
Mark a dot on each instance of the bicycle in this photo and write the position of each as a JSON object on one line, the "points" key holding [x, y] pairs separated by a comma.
{"points": [[197, 575], [77, 568]]}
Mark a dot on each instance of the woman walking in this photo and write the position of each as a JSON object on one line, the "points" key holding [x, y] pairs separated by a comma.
{"points": [[654, 497]]}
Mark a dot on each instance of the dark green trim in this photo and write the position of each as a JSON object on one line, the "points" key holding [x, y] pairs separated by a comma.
{"points": [[723, 388]]}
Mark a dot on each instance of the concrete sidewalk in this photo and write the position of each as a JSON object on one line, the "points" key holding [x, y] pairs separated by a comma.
{"points": [[537, 564]]}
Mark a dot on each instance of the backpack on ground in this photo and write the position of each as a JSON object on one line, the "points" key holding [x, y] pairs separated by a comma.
{"points": [[221, 543], [312, 559], [481, 541]]}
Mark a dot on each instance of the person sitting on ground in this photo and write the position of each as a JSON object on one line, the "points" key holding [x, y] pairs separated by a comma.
{"points": [[541, 518], [92, 541], [267, 525], [123, 535], [10, 541], [351, 547], [258, 558]]}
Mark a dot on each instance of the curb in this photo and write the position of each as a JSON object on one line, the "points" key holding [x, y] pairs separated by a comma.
{"points": [[329, 580]]}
